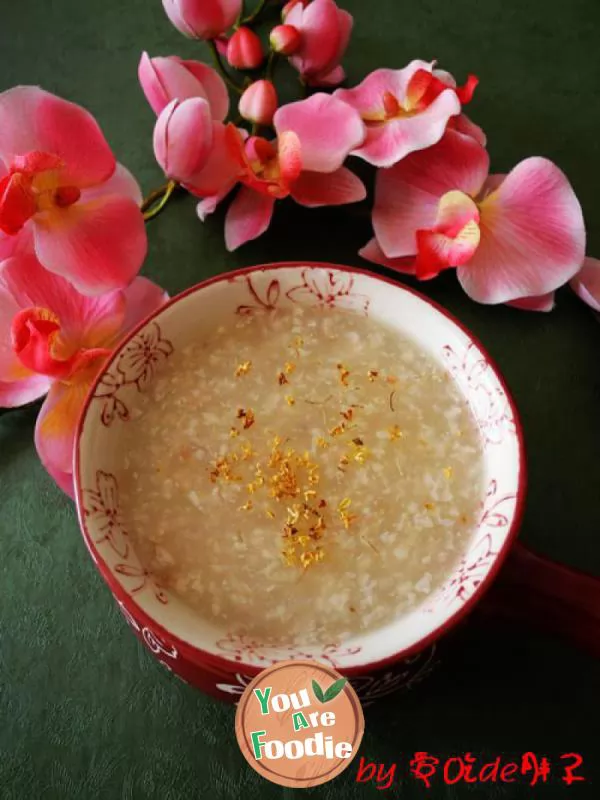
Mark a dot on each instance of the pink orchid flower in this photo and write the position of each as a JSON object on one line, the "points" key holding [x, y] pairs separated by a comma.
{"points": [[171, 78], [314, 137], [406, 109], [54, 340], [202, 19], [586, 284], [324, 36], [511, 236], [63, 195]]}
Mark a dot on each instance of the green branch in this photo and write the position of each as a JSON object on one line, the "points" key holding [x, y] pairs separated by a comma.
{"points": [[157, 200], [221, 69], [255, 14]]}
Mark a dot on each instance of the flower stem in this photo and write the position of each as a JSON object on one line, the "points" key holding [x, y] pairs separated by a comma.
{"points": [[157, 200], [153, 197], [238, 21], [255, 14], [271, 64], [221, 68]]}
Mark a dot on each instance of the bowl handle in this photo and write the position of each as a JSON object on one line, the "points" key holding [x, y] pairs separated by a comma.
{"points": [[548, 595]]}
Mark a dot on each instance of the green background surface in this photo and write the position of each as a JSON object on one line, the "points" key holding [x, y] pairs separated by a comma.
{"points": [[85, 712]]}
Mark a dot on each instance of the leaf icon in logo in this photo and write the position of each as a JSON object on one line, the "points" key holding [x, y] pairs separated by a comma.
{"points": [[318, 692], [331, 693], [334, 689]]}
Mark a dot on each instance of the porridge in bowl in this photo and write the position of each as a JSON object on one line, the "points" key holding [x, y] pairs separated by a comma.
{"points": [[305, 474]]}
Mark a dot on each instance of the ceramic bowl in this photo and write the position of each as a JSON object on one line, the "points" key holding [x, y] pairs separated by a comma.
{"points": [[215, 659]]}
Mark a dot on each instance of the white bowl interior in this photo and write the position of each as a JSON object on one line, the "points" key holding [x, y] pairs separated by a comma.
{"points": [[197, 313]]}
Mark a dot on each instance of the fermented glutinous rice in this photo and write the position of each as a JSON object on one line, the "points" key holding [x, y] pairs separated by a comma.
{"points": [[304, 474]]}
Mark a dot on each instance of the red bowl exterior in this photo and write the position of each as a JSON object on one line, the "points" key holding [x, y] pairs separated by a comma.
{"points": [[224, 683]]}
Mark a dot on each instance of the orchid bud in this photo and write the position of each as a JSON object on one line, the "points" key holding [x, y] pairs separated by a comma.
{"points": [[285, 39], [202, 19], [183, 137], [244, 50], [258, 104]]}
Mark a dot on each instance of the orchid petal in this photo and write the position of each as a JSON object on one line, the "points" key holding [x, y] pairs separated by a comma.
{"points": [[214, 88], [392, 141], [445, 77], [174, 12], [466, 126], [55, 429], [35, 335], [420, 86], [368, 96], [532, 236], [8, 308], [290, 156], [103, 322], [321, 35], [456, 209], [142, 298], [346, 24], [15, 245], [171, 78], [247, 218], [393, 132], [407, 194], [203, 19], [121, 183], [313, 189], [98, 245], [544, 302], [328, 129], [293, 15], [373, 252], [14, 377], [166, 79], [85, 322], [183, 138], [24, 390], [465, 93], [586, 284], [327, 79], [224, 165], [34, 120], [333, 74], [438, 251], [208, 205], [454, 238], [17, 203]]}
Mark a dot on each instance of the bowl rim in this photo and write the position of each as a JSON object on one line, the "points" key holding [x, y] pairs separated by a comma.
{"points": [[202, 658]]}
